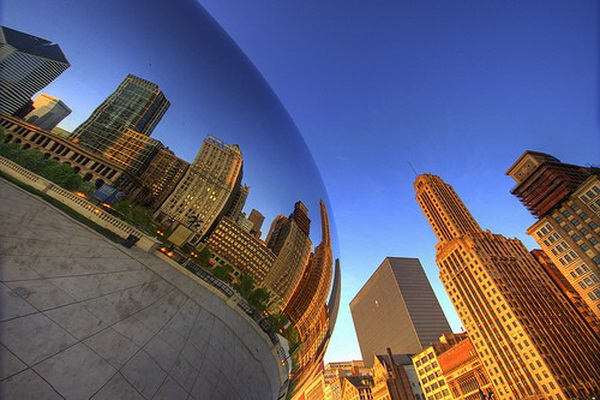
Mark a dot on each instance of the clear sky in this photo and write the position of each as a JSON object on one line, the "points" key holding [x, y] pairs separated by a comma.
{"points": [[459, 89]]}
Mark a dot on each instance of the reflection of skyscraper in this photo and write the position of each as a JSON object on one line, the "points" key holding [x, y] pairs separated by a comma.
{"points": [[257, 220], [397, 308], [47, 112], [531, 341], [566, 199], [27, 65], [136, 105], [199, 199], [163, 174], [290, 241]]}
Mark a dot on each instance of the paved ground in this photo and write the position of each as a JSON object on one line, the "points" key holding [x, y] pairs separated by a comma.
{"points": [[82, 317]]}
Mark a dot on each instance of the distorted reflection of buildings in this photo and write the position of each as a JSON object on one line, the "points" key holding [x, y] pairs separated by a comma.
{"points": [[397, 308], [91, 166], [289, 239], [531, 341], [47, 112], [121, 126], [206, 191], [257, 220], [27, 65], [244, 252], [163, 174], [566, 200]]}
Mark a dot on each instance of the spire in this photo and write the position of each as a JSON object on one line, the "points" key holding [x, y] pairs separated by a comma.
{"points": [[445, 211]]}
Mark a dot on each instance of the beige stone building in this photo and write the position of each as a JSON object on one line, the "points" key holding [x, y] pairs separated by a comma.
{"points": [[357, 387], [429, 371], [242, 250], [201, 196], [566, 199], [531, 341]]}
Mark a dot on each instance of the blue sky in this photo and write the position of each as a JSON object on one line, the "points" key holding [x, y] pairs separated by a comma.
{"points": [[459, 89]]}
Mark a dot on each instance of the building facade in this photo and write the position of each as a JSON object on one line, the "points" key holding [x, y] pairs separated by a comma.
{"points": [[257, 220], [429, 371], [289, 240], [464, 372], [27, 65], [92, 167], [397, 308], [532, 343], [201, 197], [47, 112], [394, 378], [163, 174], [566, 199], [244, 252], [136, 104]]}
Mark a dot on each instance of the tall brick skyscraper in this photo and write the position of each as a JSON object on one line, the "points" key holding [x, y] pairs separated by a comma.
{"points": [[531, 341]]}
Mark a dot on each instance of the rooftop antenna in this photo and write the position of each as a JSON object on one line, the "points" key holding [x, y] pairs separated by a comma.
{"points": [[411, 167]]}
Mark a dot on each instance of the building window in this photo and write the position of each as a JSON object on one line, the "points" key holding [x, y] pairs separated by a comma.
{"points": [[585, 247], [575, 237], [566, 213]]}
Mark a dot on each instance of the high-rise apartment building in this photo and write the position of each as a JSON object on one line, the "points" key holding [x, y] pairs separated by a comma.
{"points": [[201, 197], [289, 240], [245, 252], [397, 308], [532, 343], [47, 112], [163, 174], [568, 290], [136, 105], [132, 150], [27, 65], [566, 199]]}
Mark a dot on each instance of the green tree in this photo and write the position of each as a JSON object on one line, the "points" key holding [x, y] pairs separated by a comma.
{"points": [[203, 257], [62, 174], [136, 215], [223, 272]]}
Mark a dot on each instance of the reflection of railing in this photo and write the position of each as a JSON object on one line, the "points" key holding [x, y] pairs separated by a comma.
{"points": [[228, 291], [78, 204]]}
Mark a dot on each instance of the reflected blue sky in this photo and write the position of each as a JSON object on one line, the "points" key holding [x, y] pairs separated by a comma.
{"points": [[212, 86]]}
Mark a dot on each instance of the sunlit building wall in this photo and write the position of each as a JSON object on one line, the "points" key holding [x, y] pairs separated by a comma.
{"points": [[568, 290], [395, 378], [206, 188], [463, 372], [357, 387], [289, 239], [245, 252], [566, 199], [27, 65], [92, 167], [429, 371], [132, 150], [531, 341], [47, 112], [397, 308]]}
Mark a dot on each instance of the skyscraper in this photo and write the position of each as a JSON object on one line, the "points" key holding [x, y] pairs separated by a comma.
{"points": [[163, 174], [290, 241], [397, 308], [136, 105], [566, 199], [532, 343], [47, 112], [27, 65], [200, 198]]}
